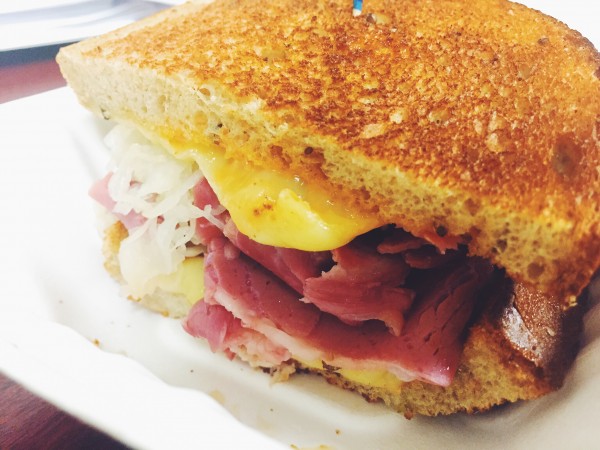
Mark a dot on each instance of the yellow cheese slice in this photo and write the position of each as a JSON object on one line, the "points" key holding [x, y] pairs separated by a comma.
{"points": [[373, 378], [187, 280], [281, 211]]}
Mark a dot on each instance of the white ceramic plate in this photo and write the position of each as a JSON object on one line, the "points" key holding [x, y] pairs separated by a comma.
{"points": [[67, 334]]}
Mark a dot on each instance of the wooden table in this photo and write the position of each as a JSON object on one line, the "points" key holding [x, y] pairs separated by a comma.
{"points": [[27, 421]]}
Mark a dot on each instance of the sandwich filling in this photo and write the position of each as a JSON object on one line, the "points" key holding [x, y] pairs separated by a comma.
{"points": [[375, 300]]}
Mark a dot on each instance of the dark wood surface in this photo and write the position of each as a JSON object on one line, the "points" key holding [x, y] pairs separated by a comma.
{"points": [[26, 421]]}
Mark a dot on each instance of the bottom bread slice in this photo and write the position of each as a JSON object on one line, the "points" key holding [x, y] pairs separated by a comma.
{"points": [[519, 346]]}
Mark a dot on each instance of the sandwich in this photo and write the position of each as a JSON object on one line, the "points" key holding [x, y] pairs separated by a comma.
{"points": [[405, 202]]}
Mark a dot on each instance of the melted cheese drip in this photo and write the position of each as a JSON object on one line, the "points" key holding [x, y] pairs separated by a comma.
{"points": [[275, 210]]}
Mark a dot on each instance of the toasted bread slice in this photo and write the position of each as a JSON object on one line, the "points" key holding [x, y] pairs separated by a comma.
{"points": [[478, 120], [519, 347]]}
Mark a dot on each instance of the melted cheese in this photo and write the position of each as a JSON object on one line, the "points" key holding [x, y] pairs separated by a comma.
{"points": [[371, 378], [274, 208], [280, 211], [187, 280]]}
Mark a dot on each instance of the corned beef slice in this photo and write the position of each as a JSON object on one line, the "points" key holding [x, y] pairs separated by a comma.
{"points": [[291, 265], [205, 198], [225, 333], [417, 335], [362, 286], [398, 241], [260, 294], [428, 257], [214, 323]]}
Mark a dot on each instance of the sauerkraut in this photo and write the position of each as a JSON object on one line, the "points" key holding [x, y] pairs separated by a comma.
{"points": [[148, 182]]}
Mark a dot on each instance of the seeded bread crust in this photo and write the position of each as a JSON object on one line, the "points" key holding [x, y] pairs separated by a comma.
{"points": [[519, 347], [479, 118]]}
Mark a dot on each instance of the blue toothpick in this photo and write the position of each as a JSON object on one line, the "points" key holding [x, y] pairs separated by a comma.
{"points": [[357, 8]]}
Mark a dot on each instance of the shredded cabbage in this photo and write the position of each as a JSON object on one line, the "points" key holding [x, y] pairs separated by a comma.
{"points": [[147, 180]]}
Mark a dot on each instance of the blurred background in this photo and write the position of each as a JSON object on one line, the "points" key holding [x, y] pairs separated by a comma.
{"points": [[32, 31]]}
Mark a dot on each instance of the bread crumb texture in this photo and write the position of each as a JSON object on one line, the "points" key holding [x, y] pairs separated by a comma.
{"points": [[482, 117]]}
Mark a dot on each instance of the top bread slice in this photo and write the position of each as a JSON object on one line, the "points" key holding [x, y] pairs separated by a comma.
{"points": [[478, 120]]}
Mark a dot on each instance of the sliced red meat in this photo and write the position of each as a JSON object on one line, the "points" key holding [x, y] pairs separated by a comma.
{"points": [[428, 348], [398, 240], [206, 199], [431, 341], [428, 253], [225, 333], [359, 263], [214, 323], [438, 323], [429, 257], [363, 285], [443, 241], [262, 295], [354, 303], [291, 265], [204, 195]]}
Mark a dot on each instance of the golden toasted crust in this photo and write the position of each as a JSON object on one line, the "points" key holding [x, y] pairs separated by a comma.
{"points": [[113, 235], [480, 117]]}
